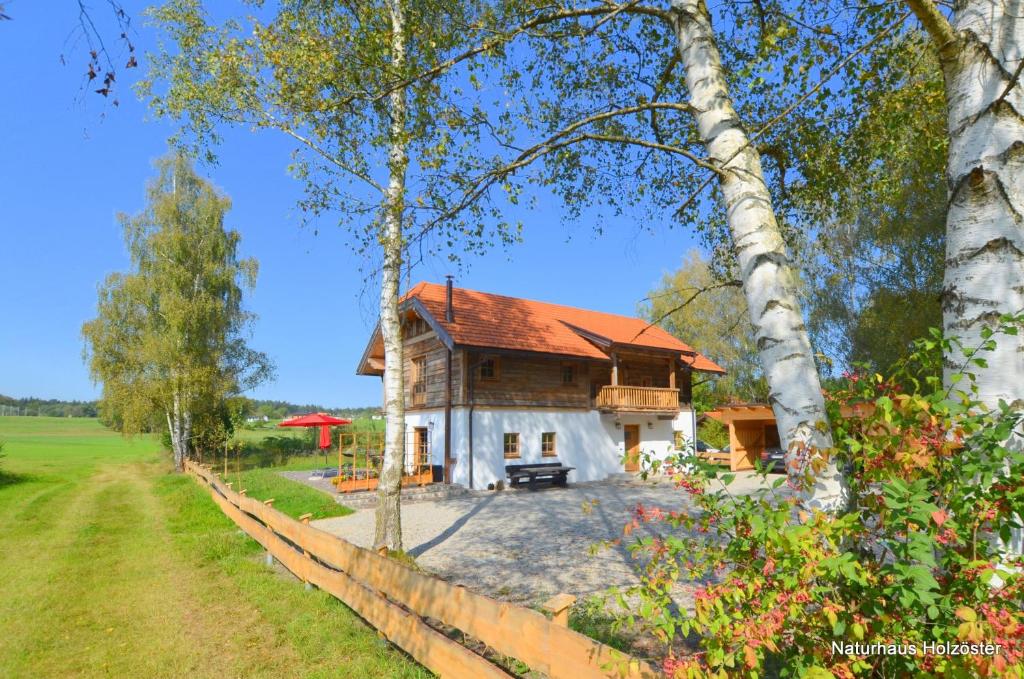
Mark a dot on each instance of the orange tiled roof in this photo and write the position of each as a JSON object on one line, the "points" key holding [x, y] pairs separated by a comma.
{"points": [[496, 321]]}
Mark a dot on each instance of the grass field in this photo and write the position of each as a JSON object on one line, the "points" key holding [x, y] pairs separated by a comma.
{"points": [[292, 498], [114, 567]]}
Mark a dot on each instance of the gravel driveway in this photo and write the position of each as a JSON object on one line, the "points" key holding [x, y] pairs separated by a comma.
{"points": [[525, 546]]}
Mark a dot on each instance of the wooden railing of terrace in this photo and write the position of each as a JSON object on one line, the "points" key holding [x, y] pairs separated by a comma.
{"points": [[399, 601], [647, 399], [361, 453]]}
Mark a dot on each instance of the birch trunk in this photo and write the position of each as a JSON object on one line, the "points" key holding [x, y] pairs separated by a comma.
{"points": [[388, 529], [984, 275], [769, 283], [179, 425], [175, 442]]}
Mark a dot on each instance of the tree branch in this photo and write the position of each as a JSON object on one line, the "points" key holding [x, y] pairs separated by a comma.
{"points": [[559, 140], [938, 27], [695, 295], [792, 107], [1014, 79], [606, 12]]}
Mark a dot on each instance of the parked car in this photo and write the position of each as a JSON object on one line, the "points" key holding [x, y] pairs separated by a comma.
{"points": [[703, 447], [773, 458], [325, 473]]}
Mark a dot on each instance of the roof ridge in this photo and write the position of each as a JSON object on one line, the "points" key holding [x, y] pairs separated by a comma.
{"points": [[424, 284]]}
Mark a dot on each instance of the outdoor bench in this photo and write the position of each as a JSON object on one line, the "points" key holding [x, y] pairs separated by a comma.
{"points": [[556, 472]]}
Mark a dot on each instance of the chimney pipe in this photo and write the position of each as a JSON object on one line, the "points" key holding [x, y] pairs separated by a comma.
{"points": [[449, 310]]}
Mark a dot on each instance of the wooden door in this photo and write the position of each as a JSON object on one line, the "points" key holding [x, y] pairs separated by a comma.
{"points": [[750, 437], [632, 438]]}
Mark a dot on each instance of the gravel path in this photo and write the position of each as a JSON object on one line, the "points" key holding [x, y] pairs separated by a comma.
{"points": [[526, 546]]}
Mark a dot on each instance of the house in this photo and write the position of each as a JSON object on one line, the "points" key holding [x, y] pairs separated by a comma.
{"points": [[494, 380]]}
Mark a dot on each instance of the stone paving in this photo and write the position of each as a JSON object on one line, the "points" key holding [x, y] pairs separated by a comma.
{"points": [[526, 546]]}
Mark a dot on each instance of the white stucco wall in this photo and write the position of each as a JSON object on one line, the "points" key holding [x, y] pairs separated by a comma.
{"points": [[585, 439]]}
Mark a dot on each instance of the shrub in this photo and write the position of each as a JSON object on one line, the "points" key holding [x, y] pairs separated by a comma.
{"points": [[915, 560]]}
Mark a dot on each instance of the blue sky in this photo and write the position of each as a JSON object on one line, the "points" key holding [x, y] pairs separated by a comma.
{"points": [[69, 164]]}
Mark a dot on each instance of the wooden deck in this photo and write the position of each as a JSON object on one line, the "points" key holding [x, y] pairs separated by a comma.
{"points": [[348, 485], [639, 399]]}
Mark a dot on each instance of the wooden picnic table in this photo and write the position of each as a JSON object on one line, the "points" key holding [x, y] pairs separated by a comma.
{"points": [[556, 472]]}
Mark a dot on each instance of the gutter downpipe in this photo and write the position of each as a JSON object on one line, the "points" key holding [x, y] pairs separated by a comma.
{"points": [[472, 405], [450, 318]]}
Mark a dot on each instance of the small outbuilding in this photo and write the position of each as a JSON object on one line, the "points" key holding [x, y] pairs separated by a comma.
{"points": [[751, 430]]}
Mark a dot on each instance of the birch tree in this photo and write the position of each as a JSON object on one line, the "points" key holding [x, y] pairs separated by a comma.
{"points": [[168, 343], [336, 79], [769, 281], [981, 53], [643, 88]]}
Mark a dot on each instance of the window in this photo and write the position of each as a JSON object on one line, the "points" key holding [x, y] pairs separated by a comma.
{"points": [[547, 444], [511, 446], [419, 381], [421, 446], [415, 327], [679, 442], [568, 374], [489, 369]]}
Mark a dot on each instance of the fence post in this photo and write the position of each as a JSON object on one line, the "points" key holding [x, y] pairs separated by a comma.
{"points": [[305, 522], [558, 606]]}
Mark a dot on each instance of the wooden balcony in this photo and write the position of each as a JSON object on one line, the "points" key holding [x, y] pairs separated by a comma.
{"points": [[638, 399]]}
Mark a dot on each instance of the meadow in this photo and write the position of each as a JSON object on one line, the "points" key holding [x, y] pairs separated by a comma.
{"points": [[115, 566]]}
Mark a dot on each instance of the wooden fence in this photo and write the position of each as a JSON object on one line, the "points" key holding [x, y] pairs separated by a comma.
{"points": [[397, 600]]}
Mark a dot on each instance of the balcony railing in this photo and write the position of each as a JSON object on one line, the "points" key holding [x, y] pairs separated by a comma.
{"points": [[638, 398]]}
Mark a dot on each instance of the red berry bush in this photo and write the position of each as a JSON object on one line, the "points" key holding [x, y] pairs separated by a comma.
{"points": [[913, 579]]}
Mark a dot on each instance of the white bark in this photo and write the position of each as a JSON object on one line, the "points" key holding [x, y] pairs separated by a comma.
{"points": [[388, 529], [767, 274], [984, 276], [179, 424]]}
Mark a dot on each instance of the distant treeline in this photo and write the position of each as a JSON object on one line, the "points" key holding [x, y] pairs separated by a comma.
{"points": [[274, 410], [47, 407], [278, 410]]}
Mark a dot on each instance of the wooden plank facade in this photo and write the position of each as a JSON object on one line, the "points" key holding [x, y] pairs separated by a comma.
{"points": [[517, 379]]}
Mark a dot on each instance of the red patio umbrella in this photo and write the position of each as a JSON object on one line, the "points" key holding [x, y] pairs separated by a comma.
{"points": [[322, 420]]}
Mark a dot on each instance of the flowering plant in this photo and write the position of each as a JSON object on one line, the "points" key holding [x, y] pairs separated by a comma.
{"points": [[913, 578]]}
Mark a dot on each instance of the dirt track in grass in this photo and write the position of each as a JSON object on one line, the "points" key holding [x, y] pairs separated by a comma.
{"points": [[112, 567]]}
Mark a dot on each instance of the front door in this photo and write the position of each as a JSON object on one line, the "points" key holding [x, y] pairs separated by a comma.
{"points": [[632, 436]]}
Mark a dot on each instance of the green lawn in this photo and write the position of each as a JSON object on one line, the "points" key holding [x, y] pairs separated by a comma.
{"points": [[292, 498], [113, 566]]}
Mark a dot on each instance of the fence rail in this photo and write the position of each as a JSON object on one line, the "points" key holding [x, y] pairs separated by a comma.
{"points": [[396, 600]]}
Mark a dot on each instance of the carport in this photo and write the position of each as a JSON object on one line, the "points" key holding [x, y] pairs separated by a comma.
{"points": [[751, 430]]}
